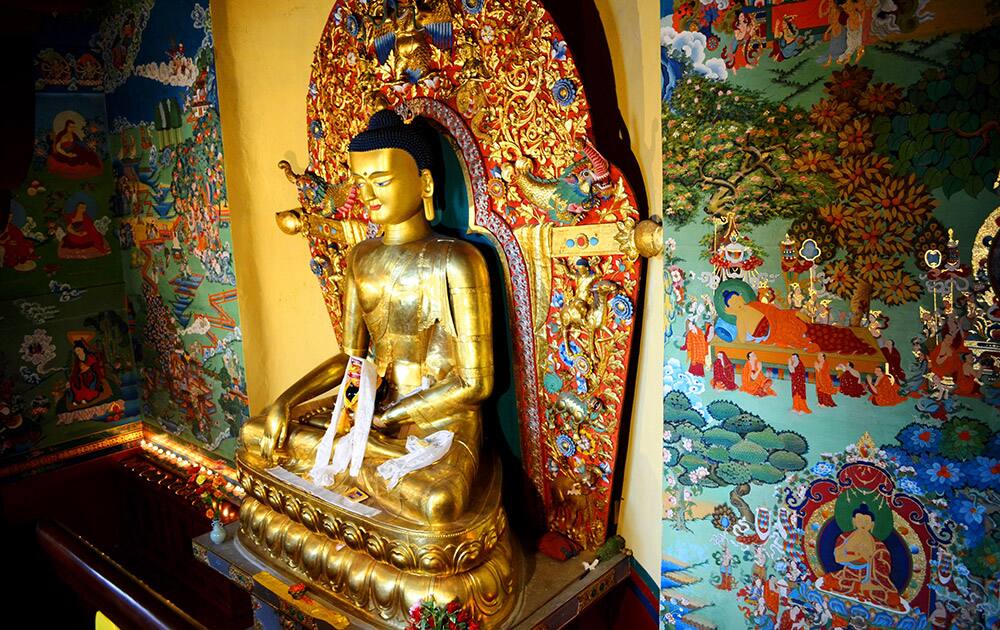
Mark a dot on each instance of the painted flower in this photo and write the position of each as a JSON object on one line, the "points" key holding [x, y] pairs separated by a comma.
{"points": [[316, 129], [558, 49], [897, 198], [967, 512], [880, 98], [564, 92], [584, 445], [486, 34], [565, 445], [847, 83], [983, 473], [910, 487], [605, 469], [558, 299], [896, 455], [621, 306], [472, 6], [830, 115], [496, 188], [896, 287], [964, 438], [568, 352], [919, 438], [353, 24], [823, 469], [37, 349], [941, 475], [855, 137], [840, 279], [813, 161], [317, 266]]}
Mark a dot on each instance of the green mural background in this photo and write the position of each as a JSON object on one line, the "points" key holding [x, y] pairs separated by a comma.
{"points": [[117, 289], [67, 371], [813, 154]]}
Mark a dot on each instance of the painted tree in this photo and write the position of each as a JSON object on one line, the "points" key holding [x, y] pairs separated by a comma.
{"points": [[947, 128], [727, 150], [737, 450], [734, 156], [198, 177]]}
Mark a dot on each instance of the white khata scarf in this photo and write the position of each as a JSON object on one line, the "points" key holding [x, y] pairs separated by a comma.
{"points": [[355, 409], [420, 453]]}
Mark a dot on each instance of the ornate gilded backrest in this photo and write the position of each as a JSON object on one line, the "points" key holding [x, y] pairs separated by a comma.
{"points": [[498, 79]]}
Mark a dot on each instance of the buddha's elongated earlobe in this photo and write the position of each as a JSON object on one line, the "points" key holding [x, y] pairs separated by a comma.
{"points": [[427, 193]]}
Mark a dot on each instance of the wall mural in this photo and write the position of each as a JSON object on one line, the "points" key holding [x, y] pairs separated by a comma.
{"points": [[126, 176], [831, 433], [166, 156], [67, 373]]}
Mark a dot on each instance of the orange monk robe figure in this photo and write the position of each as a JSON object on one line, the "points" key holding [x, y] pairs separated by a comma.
{"points": [[696, 344], [945, 359], [967, 378], [884, 390], [824, 383], [797, 372], [754, 381]]}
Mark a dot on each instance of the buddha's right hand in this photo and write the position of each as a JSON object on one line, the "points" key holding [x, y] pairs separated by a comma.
{"points": [[275, 429]]}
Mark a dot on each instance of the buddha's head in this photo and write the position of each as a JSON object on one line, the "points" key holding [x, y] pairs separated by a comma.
{"points": [[863, 518], [734, 302], [390, 163]]}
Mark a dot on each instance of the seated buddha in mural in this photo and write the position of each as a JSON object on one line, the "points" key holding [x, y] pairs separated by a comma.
{"points": [[417, 304], [867, 564], [767, 324]]}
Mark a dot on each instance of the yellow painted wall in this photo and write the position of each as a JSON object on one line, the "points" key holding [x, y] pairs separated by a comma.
{"points": [[633, 31], [264, 51]]}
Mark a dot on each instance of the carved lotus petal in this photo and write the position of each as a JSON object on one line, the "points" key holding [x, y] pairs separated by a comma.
{"points": [[467, 555], [352, 536], [401, 555], [433, 559]]}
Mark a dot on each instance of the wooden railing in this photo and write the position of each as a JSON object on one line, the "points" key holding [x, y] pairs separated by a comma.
{"points": [[105, 585]]}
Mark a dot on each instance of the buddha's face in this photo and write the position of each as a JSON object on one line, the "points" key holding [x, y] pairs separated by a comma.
{"points": [[863, 522], [735, 304], [390, 184]]}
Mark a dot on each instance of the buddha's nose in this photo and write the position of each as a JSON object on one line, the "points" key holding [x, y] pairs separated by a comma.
{"points": [[366, 192]]}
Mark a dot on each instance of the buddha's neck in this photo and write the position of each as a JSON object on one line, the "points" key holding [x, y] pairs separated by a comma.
{"points": [[413, 229]]}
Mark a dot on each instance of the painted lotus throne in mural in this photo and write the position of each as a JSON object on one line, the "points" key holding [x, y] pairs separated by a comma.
{"points": [[498, 83]]}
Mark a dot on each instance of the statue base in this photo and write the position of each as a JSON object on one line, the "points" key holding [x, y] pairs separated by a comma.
{"points": [[381, 566]]}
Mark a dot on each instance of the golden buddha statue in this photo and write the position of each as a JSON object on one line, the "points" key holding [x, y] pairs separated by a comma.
{"points": [[418, 306]]}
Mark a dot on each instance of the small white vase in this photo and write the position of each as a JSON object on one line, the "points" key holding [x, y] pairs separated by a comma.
{"points": [[218, 534]]}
